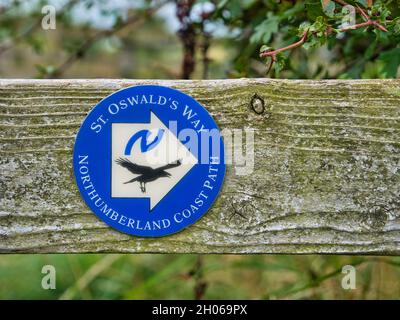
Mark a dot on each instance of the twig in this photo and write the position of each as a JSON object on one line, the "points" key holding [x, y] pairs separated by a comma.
{"points": [[344, 3], [303, 39], [200, 285], [205, 45], [316, 282], [363, 14], [89, 276], [363, 25], [271, 62], [187, 35], [273, 53]]}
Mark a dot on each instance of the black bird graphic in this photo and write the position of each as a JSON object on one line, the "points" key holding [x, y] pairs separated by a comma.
{"points": [[146, 174]]}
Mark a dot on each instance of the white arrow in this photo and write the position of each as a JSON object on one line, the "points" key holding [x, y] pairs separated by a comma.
{"points": [[168, 150]]}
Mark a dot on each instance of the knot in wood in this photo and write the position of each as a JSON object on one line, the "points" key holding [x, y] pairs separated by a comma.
{"points": [[257, 104]]}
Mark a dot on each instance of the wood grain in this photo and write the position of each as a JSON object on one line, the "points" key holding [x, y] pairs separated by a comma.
{"points": [[326, 176]]}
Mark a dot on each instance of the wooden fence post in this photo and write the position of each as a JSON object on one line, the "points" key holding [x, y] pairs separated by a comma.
{"points": [[326, 173]]}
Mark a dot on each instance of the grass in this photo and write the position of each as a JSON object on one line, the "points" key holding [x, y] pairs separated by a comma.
{"points": [[105, 276]]}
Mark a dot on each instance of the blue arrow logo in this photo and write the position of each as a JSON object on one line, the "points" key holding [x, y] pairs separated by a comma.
{"points": [[145, 146]]}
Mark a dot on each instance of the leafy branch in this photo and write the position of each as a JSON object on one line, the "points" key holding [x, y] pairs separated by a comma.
{"points": [[319, 31]]}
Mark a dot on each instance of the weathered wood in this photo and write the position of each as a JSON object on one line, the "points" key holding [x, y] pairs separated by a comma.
{"points": [[326, 176]]}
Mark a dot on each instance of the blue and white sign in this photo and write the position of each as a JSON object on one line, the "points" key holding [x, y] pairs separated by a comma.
{"points": [[149, 160]]}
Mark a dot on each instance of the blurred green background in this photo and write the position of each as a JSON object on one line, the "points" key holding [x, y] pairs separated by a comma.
{"points": [[191, 39], [144, 276]]}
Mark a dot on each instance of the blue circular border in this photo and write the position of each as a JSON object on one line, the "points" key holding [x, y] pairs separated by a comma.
{"points": [[98, 147]]}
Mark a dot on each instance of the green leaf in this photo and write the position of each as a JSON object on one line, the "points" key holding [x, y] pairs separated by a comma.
{"points": [[318, 30], [380, 11], [391, 62], [328, 7], [37, 42], [370, 50], [222, 4], [234, 7], [279, 64], [44, 70], [319, 26], [293, 11], [303, 27], [364, 3], [394, 26], [313, 9], [265, 48], [264, 31]]}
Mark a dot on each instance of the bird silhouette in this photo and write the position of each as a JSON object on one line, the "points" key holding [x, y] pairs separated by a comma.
{"points": [[146, 174]]}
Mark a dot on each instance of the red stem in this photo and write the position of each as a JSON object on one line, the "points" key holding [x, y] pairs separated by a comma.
{"points": [[357, 26], [367, 23], [289, 47]]}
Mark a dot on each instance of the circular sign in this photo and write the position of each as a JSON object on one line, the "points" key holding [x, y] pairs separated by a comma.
{"points": [[149, 160]]}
